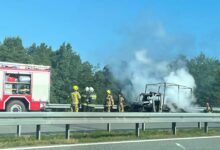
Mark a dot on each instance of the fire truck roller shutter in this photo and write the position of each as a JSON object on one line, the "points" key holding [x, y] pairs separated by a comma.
{"points": [[41, 86], [15, 106]]}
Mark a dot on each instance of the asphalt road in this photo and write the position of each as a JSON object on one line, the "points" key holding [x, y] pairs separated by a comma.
{"points": [[196, 143]]}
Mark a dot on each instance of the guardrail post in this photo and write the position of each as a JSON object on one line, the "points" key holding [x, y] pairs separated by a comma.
{"points": [[199, 125], [206, 127], [109, 127], [143, 126], [174, 128], [137, 129], [18, 130], [38, 132], [67, 131]]}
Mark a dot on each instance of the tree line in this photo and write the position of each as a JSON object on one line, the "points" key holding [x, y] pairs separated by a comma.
{"points": [[67, 69]]}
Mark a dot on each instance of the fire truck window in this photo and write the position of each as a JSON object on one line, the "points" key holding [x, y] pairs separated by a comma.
{"points": [[8, 88], [24, 79], [17, 84], [11, 78], [24, 89]]}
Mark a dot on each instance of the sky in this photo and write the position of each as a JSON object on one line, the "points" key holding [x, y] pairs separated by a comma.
{"points": [[99, 29]]}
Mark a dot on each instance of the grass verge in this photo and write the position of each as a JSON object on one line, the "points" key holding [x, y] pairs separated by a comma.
{"points": [[100, 136]]}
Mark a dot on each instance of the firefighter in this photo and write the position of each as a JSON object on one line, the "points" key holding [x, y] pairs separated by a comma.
{"points": [[121, 101], [85, 99], [75, 97], [208, 108], [109, 101], [92, 99]]}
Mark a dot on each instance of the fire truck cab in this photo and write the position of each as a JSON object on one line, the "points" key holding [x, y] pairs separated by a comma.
{"points": [[23, 87]]}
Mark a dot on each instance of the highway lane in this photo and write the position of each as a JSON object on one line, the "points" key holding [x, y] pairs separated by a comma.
{"points": [[30, 129], [196, 143]]}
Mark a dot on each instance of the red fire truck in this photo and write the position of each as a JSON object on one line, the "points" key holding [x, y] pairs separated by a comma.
{"points": [[24, 87]]}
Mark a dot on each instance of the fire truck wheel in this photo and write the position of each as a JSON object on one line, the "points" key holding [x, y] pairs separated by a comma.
{"points": [[16, 106]]}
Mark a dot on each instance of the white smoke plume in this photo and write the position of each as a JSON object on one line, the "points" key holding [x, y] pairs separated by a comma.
{"points": [[145, 57], [183, 98], [135, 74]]}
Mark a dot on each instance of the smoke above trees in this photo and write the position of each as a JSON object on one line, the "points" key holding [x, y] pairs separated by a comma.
{"points": [[147, 56]]}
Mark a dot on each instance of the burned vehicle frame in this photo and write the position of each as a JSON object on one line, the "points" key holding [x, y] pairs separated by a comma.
{"points": [[155, 101]]}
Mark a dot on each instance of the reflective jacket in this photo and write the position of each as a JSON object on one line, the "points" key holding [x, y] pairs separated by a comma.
{"points": [[85, 99], [121, 100], [92, 100], [75, 97], [93, 97], [109, 100]]}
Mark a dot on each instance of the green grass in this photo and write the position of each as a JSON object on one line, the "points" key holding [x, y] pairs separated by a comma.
{"points": [[100, 136], [6, 142]]}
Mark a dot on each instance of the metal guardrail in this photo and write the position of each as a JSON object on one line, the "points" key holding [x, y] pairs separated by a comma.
{"points": [[67, 118], [67, 106], [115, 107], [215, 109]]}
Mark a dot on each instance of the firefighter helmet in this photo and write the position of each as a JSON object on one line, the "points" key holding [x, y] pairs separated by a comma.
{"points": [[91, 89], [108, 91], [87, 89], [75, 87]]}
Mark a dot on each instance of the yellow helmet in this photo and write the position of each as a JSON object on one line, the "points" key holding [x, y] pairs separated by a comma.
{"points": [[108, 91], [75, 87]]}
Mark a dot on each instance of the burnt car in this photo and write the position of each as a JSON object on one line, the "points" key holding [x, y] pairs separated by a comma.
{"points": [[155, 101]]}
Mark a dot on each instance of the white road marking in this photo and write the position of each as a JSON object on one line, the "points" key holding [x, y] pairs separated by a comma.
{"points": [[104, 143], [181, 146]]}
